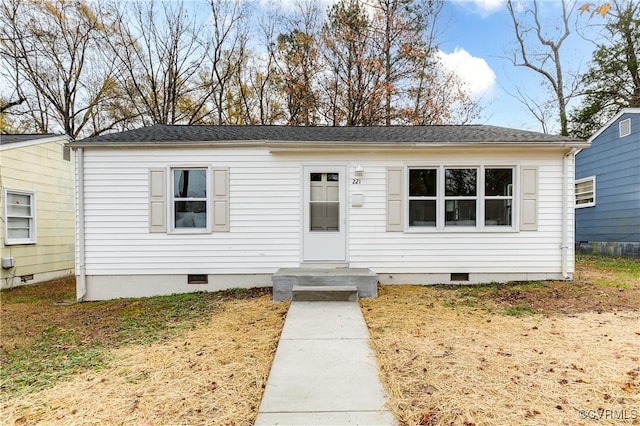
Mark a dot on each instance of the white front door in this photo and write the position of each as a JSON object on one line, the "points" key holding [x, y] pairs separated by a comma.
{"points": [[324, 233]]}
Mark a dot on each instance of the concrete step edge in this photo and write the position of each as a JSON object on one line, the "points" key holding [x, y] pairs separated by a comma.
{"points": [[324, 294], [334, 288]]}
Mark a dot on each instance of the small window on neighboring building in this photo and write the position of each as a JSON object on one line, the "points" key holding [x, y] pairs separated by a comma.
{"points": [[66, 153], [625, 127], [586, 192], [19, 212]]}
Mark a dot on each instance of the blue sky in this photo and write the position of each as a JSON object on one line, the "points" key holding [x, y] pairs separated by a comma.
{"points": [[481, 31]]}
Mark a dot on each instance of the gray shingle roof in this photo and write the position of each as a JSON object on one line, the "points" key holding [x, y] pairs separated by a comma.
{"points": [[8, 139], [455, 134]]}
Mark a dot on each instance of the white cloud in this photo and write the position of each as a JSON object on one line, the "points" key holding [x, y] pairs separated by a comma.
{"points": [[482, 7], [474, 71]]}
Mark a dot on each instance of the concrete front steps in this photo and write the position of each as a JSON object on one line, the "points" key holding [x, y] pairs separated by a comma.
{"points": [[324, 284], [318, 293]]}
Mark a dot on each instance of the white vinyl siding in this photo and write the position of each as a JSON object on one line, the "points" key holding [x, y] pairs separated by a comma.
{"points": [[263, 219], [461, 250], [20, 217], [265, 214], [585, 192]]}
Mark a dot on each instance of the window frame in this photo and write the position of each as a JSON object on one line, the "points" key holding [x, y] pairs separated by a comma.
{"points": [[480, 199], [32, 239], [172, 229], [591, 178]]}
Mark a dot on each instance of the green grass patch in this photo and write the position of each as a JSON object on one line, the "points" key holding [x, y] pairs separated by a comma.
{"points": [[625, 265], [520, 310], [145, 321], [620, 271], [55, 354], [528, 285], [613, 283], [449, 303], [45, 341]]}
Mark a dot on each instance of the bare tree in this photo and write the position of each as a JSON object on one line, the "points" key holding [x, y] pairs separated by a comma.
{"points": [[226, 55], [355, 87], [6, 105], [50, 51], [547, 62], [263, 74], [9, 124], [402, 35], [541, 111], [159, 55], [297, 52]]}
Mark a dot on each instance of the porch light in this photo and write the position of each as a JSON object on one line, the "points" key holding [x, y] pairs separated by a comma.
{"points": [[359, 170]]}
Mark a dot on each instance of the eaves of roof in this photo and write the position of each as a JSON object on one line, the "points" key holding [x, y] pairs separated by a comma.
{"points": [[22, 140], [305, 138]]}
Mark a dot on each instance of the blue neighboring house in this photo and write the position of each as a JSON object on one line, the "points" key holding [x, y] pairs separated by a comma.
{"points": [[608, 188]]}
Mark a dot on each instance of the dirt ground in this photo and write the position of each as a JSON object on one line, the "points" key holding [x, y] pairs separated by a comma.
{"points": [[550, 353]]}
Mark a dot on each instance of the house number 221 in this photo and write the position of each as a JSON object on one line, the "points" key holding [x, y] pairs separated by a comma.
{"points": [[355, 181]]}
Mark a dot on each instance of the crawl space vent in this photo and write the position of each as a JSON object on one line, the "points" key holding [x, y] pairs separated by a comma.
{"points": [[460, 276], [197, 279]]}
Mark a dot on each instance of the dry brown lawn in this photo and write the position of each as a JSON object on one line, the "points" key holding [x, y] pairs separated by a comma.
{"points": [[537, 353], [213, 373]]}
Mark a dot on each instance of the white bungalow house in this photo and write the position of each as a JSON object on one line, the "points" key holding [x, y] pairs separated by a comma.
{"points": [[170, 209]]}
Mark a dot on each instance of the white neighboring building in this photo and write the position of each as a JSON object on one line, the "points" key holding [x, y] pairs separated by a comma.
{"points": [[171, 209]]}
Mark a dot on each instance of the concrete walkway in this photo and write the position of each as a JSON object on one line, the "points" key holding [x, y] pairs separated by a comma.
{"points": [[324, 372]]}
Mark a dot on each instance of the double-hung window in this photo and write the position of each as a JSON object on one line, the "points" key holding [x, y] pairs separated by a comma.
{"points": [[190, 203], [498, 197], [456, 197], [19, 217], [585, 192], [461, 197], [423, 185]]}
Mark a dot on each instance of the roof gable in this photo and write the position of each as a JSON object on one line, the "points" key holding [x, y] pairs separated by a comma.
{"points": [[613, 120]]}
